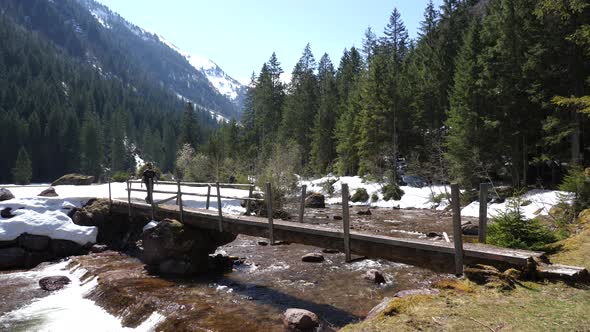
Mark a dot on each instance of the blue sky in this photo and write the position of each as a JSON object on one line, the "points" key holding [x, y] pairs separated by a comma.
{"points": [[240, 35]]}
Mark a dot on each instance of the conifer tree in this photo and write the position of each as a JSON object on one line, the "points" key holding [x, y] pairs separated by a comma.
{"points": [[189, 127], [22, 171], [322, 143]]}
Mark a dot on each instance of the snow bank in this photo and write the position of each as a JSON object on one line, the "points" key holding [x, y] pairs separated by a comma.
{"points": [[419, 198], [44, 216], [541, 201]]}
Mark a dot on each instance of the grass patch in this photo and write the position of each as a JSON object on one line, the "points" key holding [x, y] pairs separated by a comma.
{"points": [[531, 307]]}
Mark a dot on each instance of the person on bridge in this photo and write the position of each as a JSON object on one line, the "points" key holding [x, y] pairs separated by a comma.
{"points": [[148, 178]]}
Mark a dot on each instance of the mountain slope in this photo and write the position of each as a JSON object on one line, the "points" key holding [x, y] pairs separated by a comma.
{"points": [[92, 33]]}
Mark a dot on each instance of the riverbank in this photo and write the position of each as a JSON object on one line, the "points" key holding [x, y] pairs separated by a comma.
{"points": [[531, 306]]}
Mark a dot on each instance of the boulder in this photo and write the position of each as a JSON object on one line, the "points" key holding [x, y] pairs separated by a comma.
{"points": [[32, 242], [379, 308], [54, 283], [470, 229], [6, 213], [5, 194], [65, 248], [112, 229], [74, 180], [375, 276], [423, 291], [300, 320], [315, 201], [364, 212], [174, 248], [312, 258], [98, 248], [13, 257], [49, 192]]}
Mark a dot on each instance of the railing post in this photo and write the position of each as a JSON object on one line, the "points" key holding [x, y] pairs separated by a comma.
{"points": [[271, 233], [129, 198], [219, 207], [110, 197], [179, 200], [457, 232], [302, 204], [151, 196], [483, 211], [208, 196], [346, 222], [248, 204]]}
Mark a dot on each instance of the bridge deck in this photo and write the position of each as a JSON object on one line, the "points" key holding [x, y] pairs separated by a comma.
{"points": [[435, 255]]}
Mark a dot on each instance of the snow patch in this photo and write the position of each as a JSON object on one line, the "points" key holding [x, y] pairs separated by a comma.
{"points": [[46, 217]]}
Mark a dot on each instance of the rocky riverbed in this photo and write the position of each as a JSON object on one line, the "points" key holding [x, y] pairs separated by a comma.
{"points": [[265, 281]]}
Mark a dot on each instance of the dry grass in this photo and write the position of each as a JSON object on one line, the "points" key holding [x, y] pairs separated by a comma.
{"points": [[464, 306]]}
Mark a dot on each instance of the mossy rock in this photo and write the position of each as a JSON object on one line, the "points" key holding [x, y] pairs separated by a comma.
{"points": [[459, 285], [74, 180], [490, 277]]}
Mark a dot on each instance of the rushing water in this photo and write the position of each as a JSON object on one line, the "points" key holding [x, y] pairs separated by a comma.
{"points": [[251, 298]]}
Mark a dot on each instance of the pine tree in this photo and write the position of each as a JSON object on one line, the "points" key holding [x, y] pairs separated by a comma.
{"points": [[466, 141], [322, 144], [91, 145], [301, 104], [22, 171], [189, 127]]}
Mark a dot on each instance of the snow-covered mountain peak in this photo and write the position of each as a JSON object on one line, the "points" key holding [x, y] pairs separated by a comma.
{"points": [[222, 82]]}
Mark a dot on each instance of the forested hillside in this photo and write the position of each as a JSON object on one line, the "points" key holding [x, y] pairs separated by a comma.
{"points": [[92, 33], [67, 116], [489, 90]]}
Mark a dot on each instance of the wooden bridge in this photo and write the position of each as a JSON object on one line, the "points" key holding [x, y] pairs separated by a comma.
{"points": [[435, 255]]}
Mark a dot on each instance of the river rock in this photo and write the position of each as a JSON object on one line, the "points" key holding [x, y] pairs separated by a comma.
{"points": [[98, 248], [433, 234], [54, 283], [313, 257], [470, 229], [65, 248], [174, 248], [112, 229], [5, 194], [74, 180], [374, 276], [315, 201], [49, 192], [423, 291], [32, 242], [364, 212], [300, 320], [337, 217], [13, 257], [6, 213], [379, 308]]}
